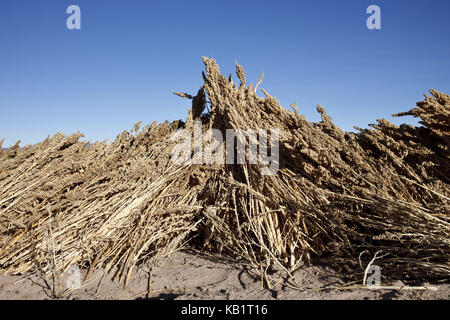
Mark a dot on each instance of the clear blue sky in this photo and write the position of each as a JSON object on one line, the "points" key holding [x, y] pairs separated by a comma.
{"points": [[129, 56]]}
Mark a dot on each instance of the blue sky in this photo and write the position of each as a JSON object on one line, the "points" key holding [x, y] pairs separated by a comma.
{"points": [[129, 56]]}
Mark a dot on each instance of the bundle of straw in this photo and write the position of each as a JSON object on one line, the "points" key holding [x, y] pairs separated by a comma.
{"points": [[338, 197]]}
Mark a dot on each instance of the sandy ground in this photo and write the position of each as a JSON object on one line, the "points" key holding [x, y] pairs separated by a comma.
{"points": [[187, 276]]}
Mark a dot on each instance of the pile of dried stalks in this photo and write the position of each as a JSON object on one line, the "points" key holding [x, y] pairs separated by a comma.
{"points": [[338, 198], [65, 202]]}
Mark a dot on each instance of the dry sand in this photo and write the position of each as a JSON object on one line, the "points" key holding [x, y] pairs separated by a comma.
{"points": [[188, 276]]}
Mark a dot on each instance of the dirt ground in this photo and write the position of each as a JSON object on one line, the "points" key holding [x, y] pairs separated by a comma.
{"points": [[188, 276]]}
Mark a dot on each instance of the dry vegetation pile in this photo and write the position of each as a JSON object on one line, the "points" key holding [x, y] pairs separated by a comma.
{"points": [[338, 198]]}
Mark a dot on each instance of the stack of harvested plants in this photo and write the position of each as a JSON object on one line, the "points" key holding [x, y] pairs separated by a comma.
{"points": [[338, 197]]}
